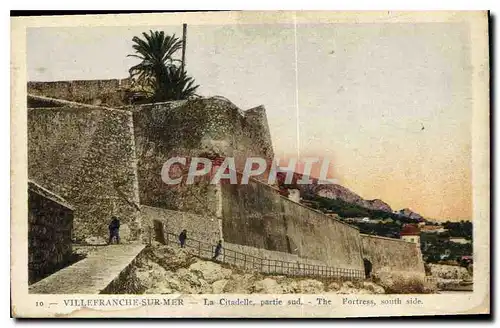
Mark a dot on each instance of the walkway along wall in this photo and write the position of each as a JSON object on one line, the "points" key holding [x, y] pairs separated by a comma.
{"points": [[249, 258], [256, 215], [395, 255]]}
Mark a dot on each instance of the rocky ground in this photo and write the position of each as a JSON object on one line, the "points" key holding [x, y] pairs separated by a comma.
{"points": [[450, 277], [164, 269]]}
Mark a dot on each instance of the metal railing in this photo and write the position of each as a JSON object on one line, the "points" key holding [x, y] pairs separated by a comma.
{"points": [[249, 262]]}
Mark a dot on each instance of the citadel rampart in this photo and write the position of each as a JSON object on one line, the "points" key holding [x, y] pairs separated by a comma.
{"points": [[394, 255], [50, 226], [199, 127], [256, 215], [108, 162], [86, 154], [93, 92], [200, 227]]}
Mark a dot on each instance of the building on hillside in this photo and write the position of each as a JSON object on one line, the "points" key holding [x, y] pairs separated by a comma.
{"points": [[410, 233], [294, 195], [467, 259], [459, 240], [446, 255]]}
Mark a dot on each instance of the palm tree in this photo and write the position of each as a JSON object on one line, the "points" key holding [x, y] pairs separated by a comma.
{"points": [[157, 73], [175, 84]]}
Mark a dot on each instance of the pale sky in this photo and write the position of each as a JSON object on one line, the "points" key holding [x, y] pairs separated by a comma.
{"points": [[357, 93]]}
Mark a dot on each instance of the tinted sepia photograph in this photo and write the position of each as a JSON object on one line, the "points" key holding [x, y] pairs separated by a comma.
{"points": [[250, 164]]}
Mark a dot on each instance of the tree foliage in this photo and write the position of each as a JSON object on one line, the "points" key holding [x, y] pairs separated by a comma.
{"points": [[159, 74]]}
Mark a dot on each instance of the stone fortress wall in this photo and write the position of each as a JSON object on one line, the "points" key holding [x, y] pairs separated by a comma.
{"points": [[93, 92], [86, 154], [194, 128], [107, 161], [50, 228], [394, 255], [204, 227], [255, 215]]}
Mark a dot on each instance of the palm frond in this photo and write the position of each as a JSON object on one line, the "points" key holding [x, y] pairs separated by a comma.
{"points": [[157, 70]]}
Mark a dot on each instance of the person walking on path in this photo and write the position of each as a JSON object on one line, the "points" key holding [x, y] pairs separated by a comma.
{"points": [[183, 237], [368, 268], [218, 248], [114, 230]]}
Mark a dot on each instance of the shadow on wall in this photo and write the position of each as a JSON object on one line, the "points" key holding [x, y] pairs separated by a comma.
{"points": [[50, 226]]}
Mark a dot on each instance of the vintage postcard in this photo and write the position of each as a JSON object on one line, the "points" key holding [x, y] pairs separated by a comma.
{"points": [[250, 164]]}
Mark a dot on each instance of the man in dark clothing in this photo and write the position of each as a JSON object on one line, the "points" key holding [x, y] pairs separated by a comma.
{"points": [[183, 237], [218, 248], [114, 230], [368, 268]]}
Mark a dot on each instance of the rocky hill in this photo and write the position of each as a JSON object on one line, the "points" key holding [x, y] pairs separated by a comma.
{"points": [[410, 214], [333, 191]]}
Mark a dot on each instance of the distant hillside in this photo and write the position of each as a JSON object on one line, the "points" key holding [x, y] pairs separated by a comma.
{"points": [[409, 213], [350, 210], [331, 191], [343, 201], [335, 191]]}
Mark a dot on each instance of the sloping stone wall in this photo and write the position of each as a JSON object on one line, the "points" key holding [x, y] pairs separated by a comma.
{"points": [[317, 236], [256, 215], [86, 154], [204, 228], [271, 255], [50, 227], [194, 128], [394, 255]]}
